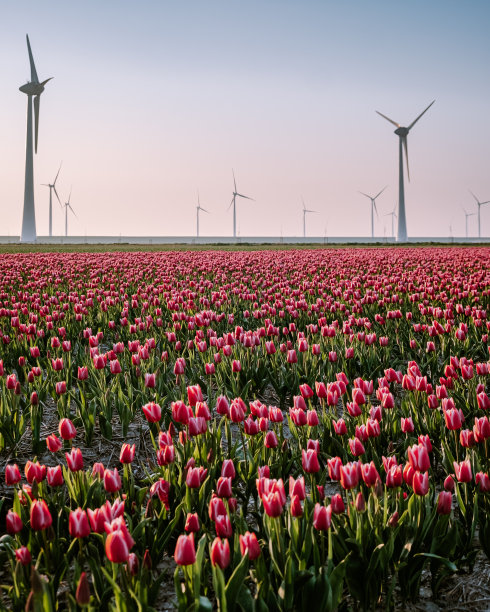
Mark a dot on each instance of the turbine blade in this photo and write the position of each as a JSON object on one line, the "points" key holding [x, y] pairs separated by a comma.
{"points": [[234, 181], [414, 122], [34, 78], [388, 119], [204, 210], [380, 192], [376, 209], [406, 154], [487, 202], [246, 197], [474, 196], [56, 193], [365, 194], [57, 175], [230, 203], [70, 207], [36, 119]]}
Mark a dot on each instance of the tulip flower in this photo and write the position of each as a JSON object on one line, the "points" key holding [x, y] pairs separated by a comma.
{"points": [[444, 501], [249, 545], [23, 555], [228, 469], [356, 446], [127, 453], [53, 443], [116, 547], [55, 476], [192, 523], [334, 465], [483, 482], [223, 487], [349, 475], [420, 483], [67, 429], [13, 522], [74, 460], [216, 508], [223, 526], [35, 471], [337, 504], [272, 503], [418, 457], [112, 481], [82, 594], [152, 412], [40, 515], [309, 460], [220, 553], [78, 524], [322, 517], [463, 471]]}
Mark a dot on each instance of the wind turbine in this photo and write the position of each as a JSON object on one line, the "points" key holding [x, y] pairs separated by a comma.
{"points": [[198, 208], [31, 88], [52, 186], [233, 201], [67, 206], [466, 215], [373, 207], [305, 211], [479, 205], [392, 214], [403, 132]]}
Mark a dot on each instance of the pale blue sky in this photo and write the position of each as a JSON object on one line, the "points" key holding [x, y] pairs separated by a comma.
{"points": [[152, 101]]}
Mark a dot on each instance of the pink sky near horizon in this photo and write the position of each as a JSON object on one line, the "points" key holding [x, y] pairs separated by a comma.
{"points": [[152, 102]]}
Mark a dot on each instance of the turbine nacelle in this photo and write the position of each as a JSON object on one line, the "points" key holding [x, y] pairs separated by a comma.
{"points": [[34, 89], [402, 131]]}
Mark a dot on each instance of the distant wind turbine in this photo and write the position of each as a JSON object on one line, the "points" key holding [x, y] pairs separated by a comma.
{"points": [[403, 132], [52, 187], [68, 206], [373, 207], [392, 214], [466, 215], [233, 202], [198, 208], [480, 204], [305, 211], [31, 88]]}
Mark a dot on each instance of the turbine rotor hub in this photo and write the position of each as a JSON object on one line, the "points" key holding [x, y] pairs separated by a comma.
{"points": [[32, 89], [401, 131]]}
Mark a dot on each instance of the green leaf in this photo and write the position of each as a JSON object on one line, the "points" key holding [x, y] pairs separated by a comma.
{"points": [[235, 583]]}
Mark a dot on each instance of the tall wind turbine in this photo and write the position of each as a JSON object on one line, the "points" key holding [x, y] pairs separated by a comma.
{"points": [[466, 215], [198, 208], [31, 88], [67, 206], [480, 204], [392, 214], [403, 132], [52, 187], [233, 201], [373, 207], [305, 211]]}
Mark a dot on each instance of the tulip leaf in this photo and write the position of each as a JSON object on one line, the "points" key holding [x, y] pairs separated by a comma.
{"points": [[235, 582], [444, 560]]}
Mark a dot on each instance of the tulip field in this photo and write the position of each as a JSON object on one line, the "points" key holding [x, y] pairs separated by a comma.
{"points": [[242, 430]]}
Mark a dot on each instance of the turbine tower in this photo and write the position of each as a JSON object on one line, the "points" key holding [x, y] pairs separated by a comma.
{"points": [[67, 206], [305, 211], [52, 187], [402, 133], [373, 207], [480, 204], [392, 214], [198, 208], [31, 88], [233, 201], [466, 215]]}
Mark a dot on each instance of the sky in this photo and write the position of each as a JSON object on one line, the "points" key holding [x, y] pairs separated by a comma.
{"points": [[155, 101]]}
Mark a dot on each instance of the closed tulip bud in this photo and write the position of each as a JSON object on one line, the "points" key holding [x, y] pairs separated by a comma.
{"points": [[452, 418], [152, 412], [483, 401], [53, 443], [112, 481], [296, 508], [356, 447], [82, 373], [13, 522], [23, 555], [340, 427], [322, 517], [297, 487], [360, 502], [337, 504], [393, 520], [12, 474], [483, 482], [216, 508], [127, 453], [67, 429], [223, 487], [222, 405], [349, 476], [466, 438], [35, 471], [55, 476], [444, 501], [223, 526], [116, 547], [194, 395], [249, 545], [192, 523], [272, 503], [166, 455], [354, 409], [60, 387], [98, 470], [228, 469], [387, 401], [418, 458], [40, 515], [78, 524], [463, 471], [309, 460], [220, 553], [334, 464], [74, 460], [369, 474], [420, 483], [407, 425], [312, 418]]}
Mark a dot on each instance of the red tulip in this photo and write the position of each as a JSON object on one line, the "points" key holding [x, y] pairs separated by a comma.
{"points": [[420, 483], [53, 443], [23, 555], [463, 471], [40, 515], [127, 453], [249, 545], [13, 522], [192, 523], [74, 460], [194, 394], [309, 460], [67, 429], [418, 457], [223, 526], [334, 465], [220, 553], [112, 481], [322, 517], [444, 502], [483, 482], [55, 476], [78, 524], [223, 487], [116, 547], [349, 475], [152, 412]]}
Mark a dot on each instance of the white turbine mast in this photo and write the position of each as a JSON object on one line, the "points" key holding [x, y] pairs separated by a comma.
{"points": [[480, 204], [402, 133], [466, 215], [32, 88], [233, 202], [305, 212], [393, 216], [198, 208], [373, 207], [67, 206], [52, 187]]}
